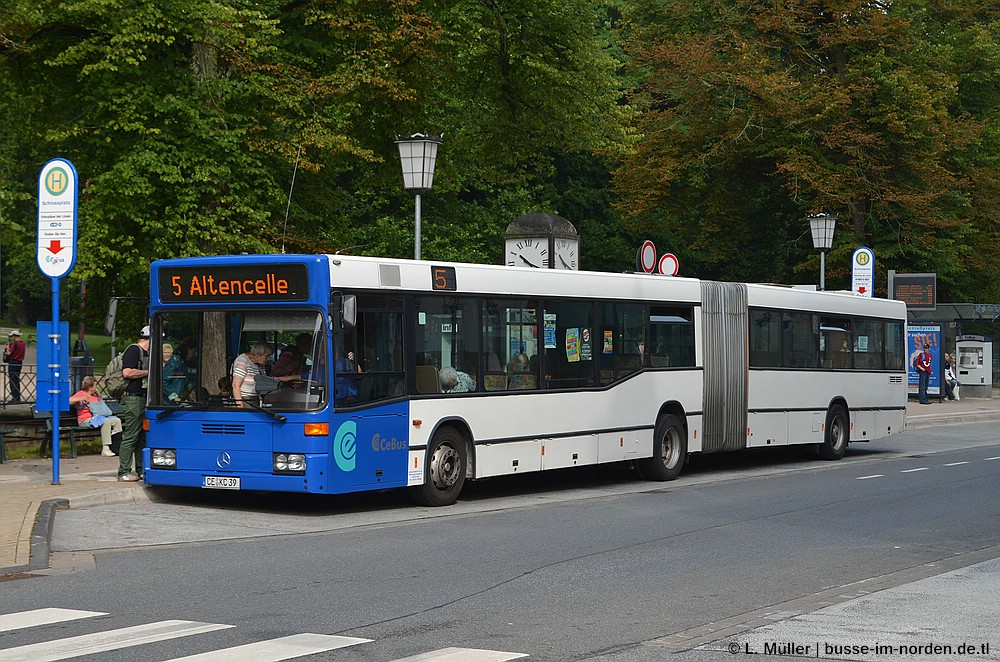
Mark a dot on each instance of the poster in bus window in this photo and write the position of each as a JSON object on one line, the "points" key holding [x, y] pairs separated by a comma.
{"points": [[609, 341], [916, 337], [573, 345], [586, 349], [550, 331]]}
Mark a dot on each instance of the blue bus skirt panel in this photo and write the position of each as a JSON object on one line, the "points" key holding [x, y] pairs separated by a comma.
{"points": [[369, 448], [364, 450]]}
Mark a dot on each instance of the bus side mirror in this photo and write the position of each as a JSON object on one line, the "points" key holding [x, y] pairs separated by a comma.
{"points": [[346, 308]]}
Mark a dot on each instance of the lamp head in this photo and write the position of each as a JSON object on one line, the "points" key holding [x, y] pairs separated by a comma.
{"points": [[823, 226], [418, 156]]}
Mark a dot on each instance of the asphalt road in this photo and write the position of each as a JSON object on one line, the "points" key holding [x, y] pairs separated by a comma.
{"points": [[594, 565]]}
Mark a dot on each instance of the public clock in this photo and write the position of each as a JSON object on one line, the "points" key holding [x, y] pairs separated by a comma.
{"points": [[567, 251], [527, 252]]}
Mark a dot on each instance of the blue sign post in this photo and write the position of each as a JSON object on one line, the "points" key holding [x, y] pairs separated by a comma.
{"points": [[57, 231]]}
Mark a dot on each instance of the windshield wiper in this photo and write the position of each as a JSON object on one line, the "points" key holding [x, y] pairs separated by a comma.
{"points": [[194, 406], [273, 414]]}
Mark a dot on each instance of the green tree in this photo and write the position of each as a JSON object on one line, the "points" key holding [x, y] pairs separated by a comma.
{"points": [[755, 116], [204, 127]]}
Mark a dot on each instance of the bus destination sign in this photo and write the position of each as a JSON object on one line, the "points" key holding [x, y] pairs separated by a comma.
{"points": [[249, 282]]}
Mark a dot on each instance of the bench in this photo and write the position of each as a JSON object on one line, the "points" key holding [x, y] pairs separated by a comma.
{"points": [[68, 425], [3, 444]]}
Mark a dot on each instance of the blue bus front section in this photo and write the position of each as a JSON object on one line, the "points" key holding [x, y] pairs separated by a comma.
{"points": [[366, 450]]}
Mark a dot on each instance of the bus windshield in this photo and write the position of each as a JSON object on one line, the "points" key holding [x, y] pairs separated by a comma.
{"points": [[275, 359]]}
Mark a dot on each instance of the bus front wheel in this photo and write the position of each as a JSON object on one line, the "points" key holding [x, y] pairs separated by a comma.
{"points": [[837, 435], [447, 461], [669, 450]]}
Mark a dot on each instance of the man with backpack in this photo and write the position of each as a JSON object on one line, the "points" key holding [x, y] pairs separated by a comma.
{"points": [[135, 370]]}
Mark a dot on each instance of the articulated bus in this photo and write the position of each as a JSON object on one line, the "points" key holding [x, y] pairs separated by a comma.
{"points": [[424, 375]]}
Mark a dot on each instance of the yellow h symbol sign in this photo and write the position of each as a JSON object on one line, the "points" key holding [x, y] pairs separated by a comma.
{"points": [[57, 181]]}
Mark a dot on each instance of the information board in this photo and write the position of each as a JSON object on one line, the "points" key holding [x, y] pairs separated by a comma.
{"points": [[919, 291]]}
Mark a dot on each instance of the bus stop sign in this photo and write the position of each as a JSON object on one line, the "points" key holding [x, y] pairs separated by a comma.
{"points": [[57, 203]]}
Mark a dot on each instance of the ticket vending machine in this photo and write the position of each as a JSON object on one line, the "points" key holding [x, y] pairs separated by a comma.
{"points": [[975, 366]]}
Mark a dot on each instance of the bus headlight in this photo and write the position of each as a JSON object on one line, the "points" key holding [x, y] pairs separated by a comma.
{"points": [[163, 458], [289, 463]]}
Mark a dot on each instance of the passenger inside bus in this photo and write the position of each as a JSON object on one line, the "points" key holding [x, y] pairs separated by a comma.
{"points": [[518, 363], [345, 380], [456, 381], [292, 361]]}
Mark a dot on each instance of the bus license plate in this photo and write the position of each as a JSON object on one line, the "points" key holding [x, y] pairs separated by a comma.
{"points": [[221, 482]]}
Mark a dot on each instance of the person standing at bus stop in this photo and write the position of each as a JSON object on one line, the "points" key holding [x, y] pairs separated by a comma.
{"points": [[13, 356], [135, 370], [923, 365]]}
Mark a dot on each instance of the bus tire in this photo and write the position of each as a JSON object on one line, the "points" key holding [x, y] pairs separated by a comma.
{"points": [[837, 434], [669, 450], [447, 462]]}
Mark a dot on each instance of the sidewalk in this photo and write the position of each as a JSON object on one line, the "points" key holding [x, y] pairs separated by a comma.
{"points": [[28, 499]]}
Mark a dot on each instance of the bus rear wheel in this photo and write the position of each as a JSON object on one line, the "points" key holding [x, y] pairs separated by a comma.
{"points": [[669, 450], [447, 461], [837, 435]]}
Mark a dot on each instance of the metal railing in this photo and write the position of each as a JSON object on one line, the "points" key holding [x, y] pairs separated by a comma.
{"points": [[28, 381]]}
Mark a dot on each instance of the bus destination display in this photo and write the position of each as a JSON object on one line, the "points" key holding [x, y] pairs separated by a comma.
{"points": [[251, 282]]}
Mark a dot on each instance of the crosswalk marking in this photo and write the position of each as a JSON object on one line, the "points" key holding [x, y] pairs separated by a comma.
{"points": [[463, 655], [36, 617], [270, 650], [89, 644], [274, 650]]}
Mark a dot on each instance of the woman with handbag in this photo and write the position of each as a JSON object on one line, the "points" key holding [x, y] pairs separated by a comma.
{"points": [[93, 412]]}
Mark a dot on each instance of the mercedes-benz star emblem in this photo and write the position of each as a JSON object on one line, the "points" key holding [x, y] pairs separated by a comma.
{"points": [[223, 460]]}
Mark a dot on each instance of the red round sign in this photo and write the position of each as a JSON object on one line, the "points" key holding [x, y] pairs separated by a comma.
{"points": [[645, 259], [669, 265]]}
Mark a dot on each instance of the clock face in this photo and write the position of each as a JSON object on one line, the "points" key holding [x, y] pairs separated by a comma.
{"points": [[529, 252], [566, 254]]}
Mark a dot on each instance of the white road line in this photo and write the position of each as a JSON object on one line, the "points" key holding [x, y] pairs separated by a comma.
{"points": [[274, 650], [872, 476], [88, 644], [36, 617], [995, 457], [955, 464], [909, 471], [463, 655]]}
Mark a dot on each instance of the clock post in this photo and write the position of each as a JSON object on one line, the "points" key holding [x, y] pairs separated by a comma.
{"points": [[541, 241]]}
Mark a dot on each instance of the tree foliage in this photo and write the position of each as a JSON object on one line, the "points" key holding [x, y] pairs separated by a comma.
{"points": [[221, 126], [212, 127], [757, 115]]}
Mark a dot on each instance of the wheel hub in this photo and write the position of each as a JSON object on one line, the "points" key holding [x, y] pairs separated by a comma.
{"points": [[445, 467]]}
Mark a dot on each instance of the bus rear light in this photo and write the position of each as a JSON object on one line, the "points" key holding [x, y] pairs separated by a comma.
{"points": [[317, 429], [289, 463]]}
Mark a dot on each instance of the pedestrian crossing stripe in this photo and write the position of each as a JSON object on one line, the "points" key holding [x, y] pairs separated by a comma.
{"points": [[36, 617], [88, 644], [271, 650], [275, 650], [463, 655]]}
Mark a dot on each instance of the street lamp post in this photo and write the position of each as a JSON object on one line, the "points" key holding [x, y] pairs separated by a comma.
{"points": [[418, 155], [822, 226]]}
